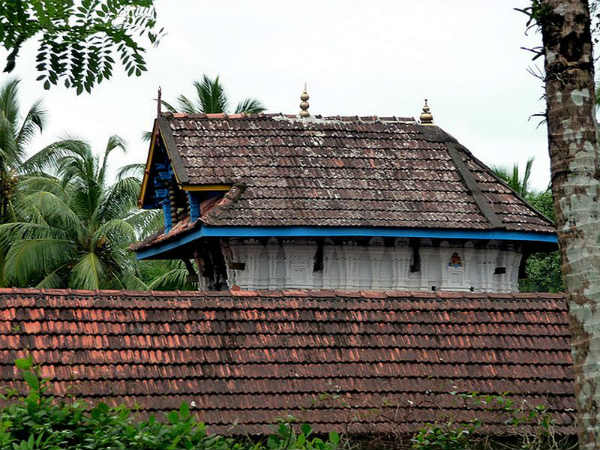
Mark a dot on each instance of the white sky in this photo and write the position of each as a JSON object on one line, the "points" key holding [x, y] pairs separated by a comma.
{"points": [[358, 58]]}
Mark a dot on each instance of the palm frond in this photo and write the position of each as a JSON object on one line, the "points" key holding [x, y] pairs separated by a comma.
{"points": [[169, 107], [52, 156], [9, 102], [526, 176], [211, 95], [16, 231], [10, 153], [132, 282], [114, 142], [35, 183], [53, 280], [174, 279], [135, 170], [145, 221], [116, 231], [121, 198], [53, 209], [146, 136], [87, 273], [187, 106], [2, 281], [29, 260], [250, 106], [34, 122], [502, 173]]}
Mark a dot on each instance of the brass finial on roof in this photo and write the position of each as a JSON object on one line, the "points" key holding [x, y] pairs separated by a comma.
{"points": [[426, 116], [304, 103]]}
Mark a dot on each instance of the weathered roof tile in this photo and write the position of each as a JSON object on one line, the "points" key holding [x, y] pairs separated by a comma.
{"points": [[249, 357], [321, 172]]}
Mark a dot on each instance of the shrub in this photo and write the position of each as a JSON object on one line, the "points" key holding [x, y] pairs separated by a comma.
{"points": [[37, 421], [528, 428]]}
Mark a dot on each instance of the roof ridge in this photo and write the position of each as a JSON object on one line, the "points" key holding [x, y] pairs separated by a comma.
{"points": [[316, 117], [307, 293]]}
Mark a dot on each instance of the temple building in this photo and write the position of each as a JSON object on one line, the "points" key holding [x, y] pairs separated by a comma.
{"points": [[273, 201], [312, 229]]}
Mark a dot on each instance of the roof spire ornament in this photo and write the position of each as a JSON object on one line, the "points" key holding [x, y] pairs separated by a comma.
{"points": [[426, 116], [304, 103], [159, 102]]}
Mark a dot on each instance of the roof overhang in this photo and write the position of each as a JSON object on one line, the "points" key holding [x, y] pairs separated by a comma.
{"points": [[328, 232]]}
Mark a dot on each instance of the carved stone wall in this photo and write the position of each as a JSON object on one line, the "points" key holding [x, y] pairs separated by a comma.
{"points": [[373, 265]]}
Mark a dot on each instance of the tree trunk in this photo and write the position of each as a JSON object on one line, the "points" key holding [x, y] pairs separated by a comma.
{"points": [[573, 151]]}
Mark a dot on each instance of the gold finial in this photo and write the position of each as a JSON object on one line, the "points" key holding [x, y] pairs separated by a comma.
{"points": [[304, 103], [426, 116]]}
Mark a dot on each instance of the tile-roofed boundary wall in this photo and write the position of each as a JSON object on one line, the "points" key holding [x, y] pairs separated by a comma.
{"points": [[327, 357]]}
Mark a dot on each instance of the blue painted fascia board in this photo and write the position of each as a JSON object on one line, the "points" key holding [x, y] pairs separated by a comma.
{"points": [[425, 233]]}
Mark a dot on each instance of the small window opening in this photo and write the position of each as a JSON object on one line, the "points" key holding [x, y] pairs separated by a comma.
{"points": [[433, 288], [318, 265], [499, 270], [415, 265]]}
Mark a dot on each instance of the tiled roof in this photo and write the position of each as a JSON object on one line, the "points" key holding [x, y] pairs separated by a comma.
{"points": [[341, 171], [336, 359]]}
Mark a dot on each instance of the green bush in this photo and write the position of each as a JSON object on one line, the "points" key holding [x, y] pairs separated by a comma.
{"points": [[38, 421], [527, 428]]}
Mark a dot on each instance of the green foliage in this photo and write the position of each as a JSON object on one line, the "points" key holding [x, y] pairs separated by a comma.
{"points": [[16, 132], [518, 183], [445, 436], [543, 274], [287, 437], [211, 99], [79, 40], [165, 275], [529, 428], [39, 422], [543, 202], [543, 270], [74, 229]]}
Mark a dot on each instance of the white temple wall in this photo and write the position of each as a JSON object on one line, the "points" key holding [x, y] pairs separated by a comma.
{"points": [[373, 265]]}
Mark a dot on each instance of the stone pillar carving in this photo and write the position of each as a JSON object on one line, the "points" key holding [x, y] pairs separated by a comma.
{"points": [[299, 259], [352, 265], [276, 264], [381, 277], [331, 266], [471, 267], [430, 266]]}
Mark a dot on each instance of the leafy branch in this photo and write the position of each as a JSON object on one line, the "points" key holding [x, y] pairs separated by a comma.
{"points": [[80, 41]]}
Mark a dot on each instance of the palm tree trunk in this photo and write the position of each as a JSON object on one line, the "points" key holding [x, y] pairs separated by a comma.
{"points": [[573, 151]]}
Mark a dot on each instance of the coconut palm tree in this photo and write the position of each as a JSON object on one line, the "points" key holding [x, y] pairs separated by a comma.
{"points": [[74, 229], [517, 183], [211, 98], [16, 132]]}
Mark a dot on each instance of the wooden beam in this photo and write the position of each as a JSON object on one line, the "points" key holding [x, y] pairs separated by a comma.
{"points": [[206, 187]]}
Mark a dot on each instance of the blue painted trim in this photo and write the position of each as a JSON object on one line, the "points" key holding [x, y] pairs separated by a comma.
{"points": [[194, 204], [206, 231], [374, 232], [166, 206]]}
